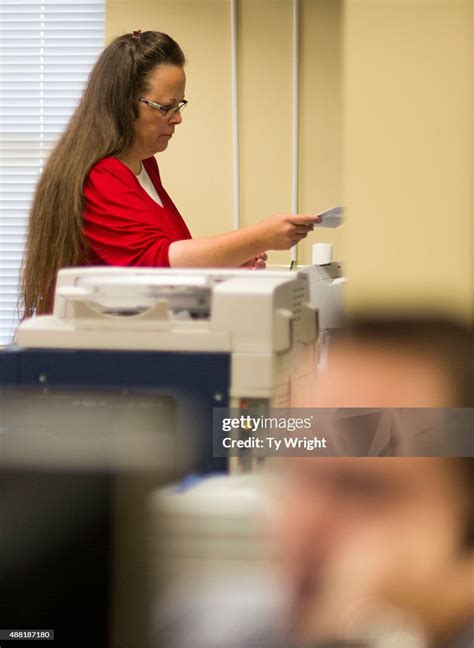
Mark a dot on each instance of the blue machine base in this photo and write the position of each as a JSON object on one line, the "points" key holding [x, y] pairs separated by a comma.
{"points": [[193, 379]]}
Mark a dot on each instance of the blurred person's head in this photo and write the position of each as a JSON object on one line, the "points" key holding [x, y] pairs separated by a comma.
{"points": [[395, 530], [391, 531], [399, 362]]}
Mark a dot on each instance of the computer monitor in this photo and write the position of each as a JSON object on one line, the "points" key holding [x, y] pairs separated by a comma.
{"points": [[76, 467]]}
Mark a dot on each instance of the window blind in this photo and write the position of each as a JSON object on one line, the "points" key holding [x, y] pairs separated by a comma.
{"points": [[47, 49]]}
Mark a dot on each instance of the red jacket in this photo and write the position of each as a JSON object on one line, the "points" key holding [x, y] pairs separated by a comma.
{"points": [[123, 225]]}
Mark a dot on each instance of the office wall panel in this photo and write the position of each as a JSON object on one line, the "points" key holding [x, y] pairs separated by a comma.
{"points": [[407, 158], [265, 31], [320, 182]]}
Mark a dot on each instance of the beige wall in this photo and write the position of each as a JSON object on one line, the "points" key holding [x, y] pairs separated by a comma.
{"points": [[402, 135], [265, 109], [321, 117], [408, 178], [197, 168]]}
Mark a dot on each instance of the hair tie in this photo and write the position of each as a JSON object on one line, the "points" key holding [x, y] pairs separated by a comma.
{"points": [[136, 34]]}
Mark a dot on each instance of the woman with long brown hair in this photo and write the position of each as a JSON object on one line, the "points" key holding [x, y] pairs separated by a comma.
{"points": [[100, 199]]}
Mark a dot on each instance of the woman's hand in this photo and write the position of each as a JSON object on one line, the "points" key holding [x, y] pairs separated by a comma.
{"points": [[282, 231], [257, 263]]}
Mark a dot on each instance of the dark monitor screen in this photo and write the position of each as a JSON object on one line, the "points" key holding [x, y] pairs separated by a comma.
{"points": [[76, 469]]}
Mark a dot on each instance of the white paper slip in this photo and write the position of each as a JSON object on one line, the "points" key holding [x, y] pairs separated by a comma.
{"points": [[331, 217]]}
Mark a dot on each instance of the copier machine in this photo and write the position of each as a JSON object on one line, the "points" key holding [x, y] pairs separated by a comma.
{"points": [[201, 338]]}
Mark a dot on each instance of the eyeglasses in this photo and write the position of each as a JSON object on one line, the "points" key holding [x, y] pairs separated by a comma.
{"points": [[166, 111]]}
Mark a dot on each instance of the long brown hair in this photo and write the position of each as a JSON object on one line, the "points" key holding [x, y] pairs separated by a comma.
{"points": [[101, 126]]}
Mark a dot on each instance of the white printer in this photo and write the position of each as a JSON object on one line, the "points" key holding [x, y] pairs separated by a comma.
{"points": [[262, 320]]}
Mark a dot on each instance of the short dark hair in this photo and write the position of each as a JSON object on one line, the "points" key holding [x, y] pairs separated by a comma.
{"points": [[447, 342]]}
